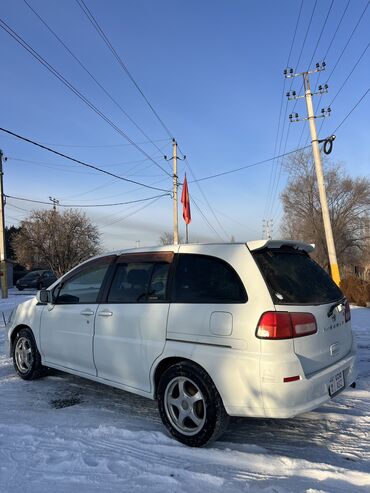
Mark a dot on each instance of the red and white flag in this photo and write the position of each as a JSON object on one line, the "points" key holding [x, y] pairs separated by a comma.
{"points": [[185, 200]]}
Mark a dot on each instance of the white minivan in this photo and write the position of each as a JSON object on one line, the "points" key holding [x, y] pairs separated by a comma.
{"points": [[210, 331]]}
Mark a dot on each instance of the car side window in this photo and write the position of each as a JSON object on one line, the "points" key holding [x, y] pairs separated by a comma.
{"points": [[136, 282], [204, 279], [84, 287]]}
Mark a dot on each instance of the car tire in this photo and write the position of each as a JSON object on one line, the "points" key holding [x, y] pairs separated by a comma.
{"points": [[26, 357], [19, 288], [190, 406]]}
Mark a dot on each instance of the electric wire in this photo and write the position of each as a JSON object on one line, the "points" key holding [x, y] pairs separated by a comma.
{"points": [[349, 75], [351, 111], [246, 166], [204, 195], [104, 146], [86, 205], [279, 166], [205, 218], [92, 166], [349, 40], [332, 40], [104, 37], [92, 76], [336, 64], [133, 213], [347, 115], [281, 104], [83, 98], [344, 48]]}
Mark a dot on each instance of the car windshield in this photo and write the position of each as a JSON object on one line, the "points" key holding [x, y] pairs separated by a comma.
{"points": [[294, 278]]}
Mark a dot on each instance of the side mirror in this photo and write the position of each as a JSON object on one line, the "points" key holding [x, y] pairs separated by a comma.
{"points": [[43, 296]]}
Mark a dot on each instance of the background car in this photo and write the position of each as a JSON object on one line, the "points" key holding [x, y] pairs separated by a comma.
{"points": [[36, 279]]}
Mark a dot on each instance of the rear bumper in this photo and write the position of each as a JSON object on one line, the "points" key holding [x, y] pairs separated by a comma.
{"points": [[285, 400], [279, 399]]}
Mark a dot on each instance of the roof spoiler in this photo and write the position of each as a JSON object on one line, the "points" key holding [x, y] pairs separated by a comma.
{"points": [[298, 245]]}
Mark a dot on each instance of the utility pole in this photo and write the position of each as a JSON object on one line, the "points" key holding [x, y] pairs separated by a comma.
{"points": [[174, 158], [175, 190], [3, 265], [55, 202], [311, 117]]}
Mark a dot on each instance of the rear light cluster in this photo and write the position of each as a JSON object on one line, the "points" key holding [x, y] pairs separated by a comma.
{"points": [[285, 325], [347, 311]]}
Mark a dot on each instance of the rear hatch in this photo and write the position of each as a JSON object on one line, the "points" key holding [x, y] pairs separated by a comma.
{"points": [[298, 284]]}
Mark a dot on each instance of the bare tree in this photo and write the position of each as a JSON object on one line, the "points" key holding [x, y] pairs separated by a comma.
{"points": [[166, 238], [349, 207], [59, 240]]}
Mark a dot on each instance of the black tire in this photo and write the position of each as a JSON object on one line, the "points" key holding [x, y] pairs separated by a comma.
{"points": [[26, 357], [211, 413], [20, 288]]}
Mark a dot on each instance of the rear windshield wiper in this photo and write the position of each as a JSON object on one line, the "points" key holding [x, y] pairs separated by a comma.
{"points": [[333, 307]]}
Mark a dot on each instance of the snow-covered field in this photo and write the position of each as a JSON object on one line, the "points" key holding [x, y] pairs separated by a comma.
{"points": [[63, 434]]}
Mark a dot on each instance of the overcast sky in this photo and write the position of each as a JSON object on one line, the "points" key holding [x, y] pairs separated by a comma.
{"points": [[213, 71]]}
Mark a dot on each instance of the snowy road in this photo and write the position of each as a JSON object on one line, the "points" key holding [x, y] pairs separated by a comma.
{"points": [[65, 434]]}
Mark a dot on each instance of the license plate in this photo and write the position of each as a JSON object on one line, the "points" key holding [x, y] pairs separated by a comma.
{"points": [[336, 383]]}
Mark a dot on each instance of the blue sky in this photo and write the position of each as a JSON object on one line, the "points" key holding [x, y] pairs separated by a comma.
{"points": [[211, 69]]}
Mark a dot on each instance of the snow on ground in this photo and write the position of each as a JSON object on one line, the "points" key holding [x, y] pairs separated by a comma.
{"points": [[66, 434]]}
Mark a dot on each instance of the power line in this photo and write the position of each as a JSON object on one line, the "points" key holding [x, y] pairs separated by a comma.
{"points": [[101, 33], [83, 98], [345, 46], [321, 32], [205, 218], [347, 116], [86, 205], [349, 75], [103, 146], [203, 194], [332, 40], [25, 139], [276, 176], [351, 111], [235, 170], [281, 104], [91, 75], [349, 39], [133, 213]]}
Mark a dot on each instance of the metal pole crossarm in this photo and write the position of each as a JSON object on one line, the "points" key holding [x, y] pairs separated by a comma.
{"points": [[319, 68]]}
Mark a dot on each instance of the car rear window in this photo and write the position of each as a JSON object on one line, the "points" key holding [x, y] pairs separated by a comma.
{"points": [[294, 278]]}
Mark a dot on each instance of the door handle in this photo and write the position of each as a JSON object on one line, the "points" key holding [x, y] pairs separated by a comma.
{"points": [[105, 313], [87, 312]]}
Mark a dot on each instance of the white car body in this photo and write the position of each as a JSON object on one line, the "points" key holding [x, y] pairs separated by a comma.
{"points": [[128, 345]]}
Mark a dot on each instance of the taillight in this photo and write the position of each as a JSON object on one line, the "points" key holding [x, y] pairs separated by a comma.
{"points": [[285, 325], [347, 311]]}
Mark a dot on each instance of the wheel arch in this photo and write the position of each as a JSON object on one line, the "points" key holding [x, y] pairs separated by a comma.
{"points": [[14, 333], [166, 363]]}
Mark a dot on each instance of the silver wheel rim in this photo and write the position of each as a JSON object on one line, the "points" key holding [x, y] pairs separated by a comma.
{"points": [[185, 406], [23, 355]]}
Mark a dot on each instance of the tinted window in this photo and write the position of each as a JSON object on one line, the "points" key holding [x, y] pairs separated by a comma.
{"points": [[139, 282], [293, 277], [203, 279], [83, 287], [32, 275]]}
